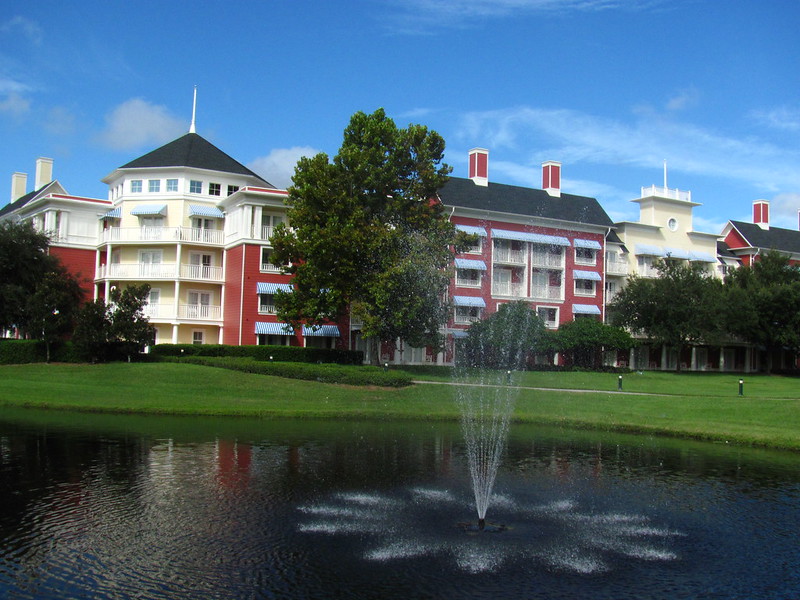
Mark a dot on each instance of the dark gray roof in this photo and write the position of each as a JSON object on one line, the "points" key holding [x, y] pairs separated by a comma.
{"points": [[777, 238], [192, 150], [498, 197], [724, 251], [20, 202]]}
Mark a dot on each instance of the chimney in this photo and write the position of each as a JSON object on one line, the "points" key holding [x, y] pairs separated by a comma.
{"points": [[44, 172], [761, 213], [551, 178], [19, 185], [479, 166]]}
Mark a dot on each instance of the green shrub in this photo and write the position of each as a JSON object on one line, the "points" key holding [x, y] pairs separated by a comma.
{"points": [[17, 352], [293, 354], [325, 373]]}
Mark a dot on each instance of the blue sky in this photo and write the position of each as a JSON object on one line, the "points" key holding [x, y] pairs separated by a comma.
{"points": [[611, 88]]}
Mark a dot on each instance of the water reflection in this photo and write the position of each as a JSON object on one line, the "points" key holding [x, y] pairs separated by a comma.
{"points": [[128, 507]]}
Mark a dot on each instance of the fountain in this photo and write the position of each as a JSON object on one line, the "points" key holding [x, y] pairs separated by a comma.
{"points": [[486, 368]]}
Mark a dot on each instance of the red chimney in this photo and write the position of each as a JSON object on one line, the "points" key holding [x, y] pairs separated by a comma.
{"points": [[761, 213], [479, 166], [551, 177]]}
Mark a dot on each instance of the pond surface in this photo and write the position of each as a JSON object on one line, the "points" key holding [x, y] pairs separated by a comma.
{"points": [[145, 507]]}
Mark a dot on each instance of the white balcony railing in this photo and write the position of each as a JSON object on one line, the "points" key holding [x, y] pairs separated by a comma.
{"points": [[507, 255], [266, 309], [200, 312], [463, 282], [665, 192], [515, 290], [202, 272], [163, 234], [547, 259], [159, 271], [616, 267], [465, 319], [548, 292]]}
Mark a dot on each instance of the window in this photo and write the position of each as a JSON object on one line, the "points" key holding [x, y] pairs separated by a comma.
{"points": [[585, 256], [584, 287], [468, 277], [266, 304], [549, 315], [232, 189], [136, 186], [269, 223], [200, 266], [153, 298], [266, 265], [199, 305], [467, 314], [213, 189], [172, 185], [152, 228], [154, 186], [272, 340], [197, 337], [476, 247], [195, 187]]}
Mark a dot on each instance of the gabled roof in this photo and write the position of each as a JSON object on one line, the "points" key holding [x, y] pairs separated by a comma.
{"points": [[192, 150], [784, 240], [29, 197], [529, 202]]}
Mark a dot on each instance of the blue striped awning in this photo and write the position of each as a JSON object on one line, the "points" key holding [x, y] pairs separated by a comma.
{"points": [[198, 210], [272, 288], [144, 210], [587, 275], [460, 333], [469, 301], [592, 244], [321, 330], [534, 238], [465, 263], [273, 328], [115, 213], [677, 253], [472, 230], [697, 256], [649, 250], [585, 309]]}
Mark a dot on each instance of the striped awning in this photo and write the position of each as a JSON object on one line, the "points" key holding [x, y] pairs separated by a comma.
{"points": [[697, 256], [273, 328], [534, 238], [145, 210], [321, 331], [585, 309], [115, 213], [592, 244], [465, 263], [649, 250], [472, 230], [272, 288], [677, 253], [198, 210], [587, 275], [469, 301], [460, 333]]}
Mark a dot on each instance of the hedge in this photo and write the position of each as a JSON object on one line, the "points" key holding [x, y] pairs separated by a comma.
{"points": [[294, 354], [325, 373]]}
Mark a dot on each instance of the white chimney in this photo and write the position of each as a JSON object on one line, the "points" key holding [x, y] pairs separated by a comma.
{"points": [[551, 177], [19, 185], [44, 172], [761, 213], [479, 166]]}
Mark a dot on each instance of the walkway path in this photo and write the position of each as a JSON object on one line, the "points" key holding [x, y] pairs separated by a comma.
{"points": [[540, 389]]}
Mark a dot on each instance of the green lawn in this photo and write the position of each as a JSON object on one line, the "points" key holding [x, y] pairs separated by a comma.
{"points": [[690, 405]]}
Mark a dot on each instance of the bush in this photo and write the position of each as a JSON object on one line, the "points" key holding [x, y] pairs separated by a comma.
{"points": [[17, 352], [294, 354], [325, 373]]}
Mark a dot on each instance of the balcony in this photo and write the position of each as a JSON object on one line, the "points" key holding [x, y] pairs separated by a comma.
{"points": [[193, 235], [617, 267], [202, 272], [508, 256], [189, 312], [139, 271], [465, 319], [547, 259], [547, 292], [514, 290], [665, 192], [467, 282]]}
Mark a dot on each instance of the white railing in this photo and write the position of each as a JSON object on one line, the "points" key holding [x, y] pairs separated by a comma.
{"points": [[507, 255], [462, 282], [266, 309], [270, 268], [163, 234], [665, 192], [549, 292], [547, 259], [203, 272], [137, 271], [515, 290], [618, 267], [200, 312], [465, 319], [648, 271], [158, 311]]}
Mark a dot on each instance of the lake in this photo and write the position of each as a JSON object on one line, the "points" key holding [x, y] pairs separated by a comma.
{"points": [[102, 507]]}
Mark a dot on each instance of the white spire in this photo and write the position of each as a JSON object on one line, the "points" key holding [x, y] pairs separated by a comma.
{"points": [[665, 173], [192, 128]]}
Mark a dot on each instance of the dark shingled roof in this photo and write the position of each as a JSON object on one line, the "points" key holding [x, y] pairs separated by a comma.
{"points": [[21, 201], [192, 150], [498, 197], [786, 240], [724, 251]]}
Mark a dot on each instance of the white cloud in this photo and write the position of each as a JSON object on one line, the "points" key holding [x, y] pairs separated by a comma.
{"points": [[59, 121], [137, 122], [784, 210], [14, 105], [277, 167], [29, 29], [783, 117], [684, 99]]}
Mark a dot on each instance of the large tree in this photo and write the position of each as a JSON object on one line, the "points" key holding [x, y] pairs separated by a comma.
{"points": [[50, 312], [584, 340], [679, 307], [762, 304], [367, 234]]}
